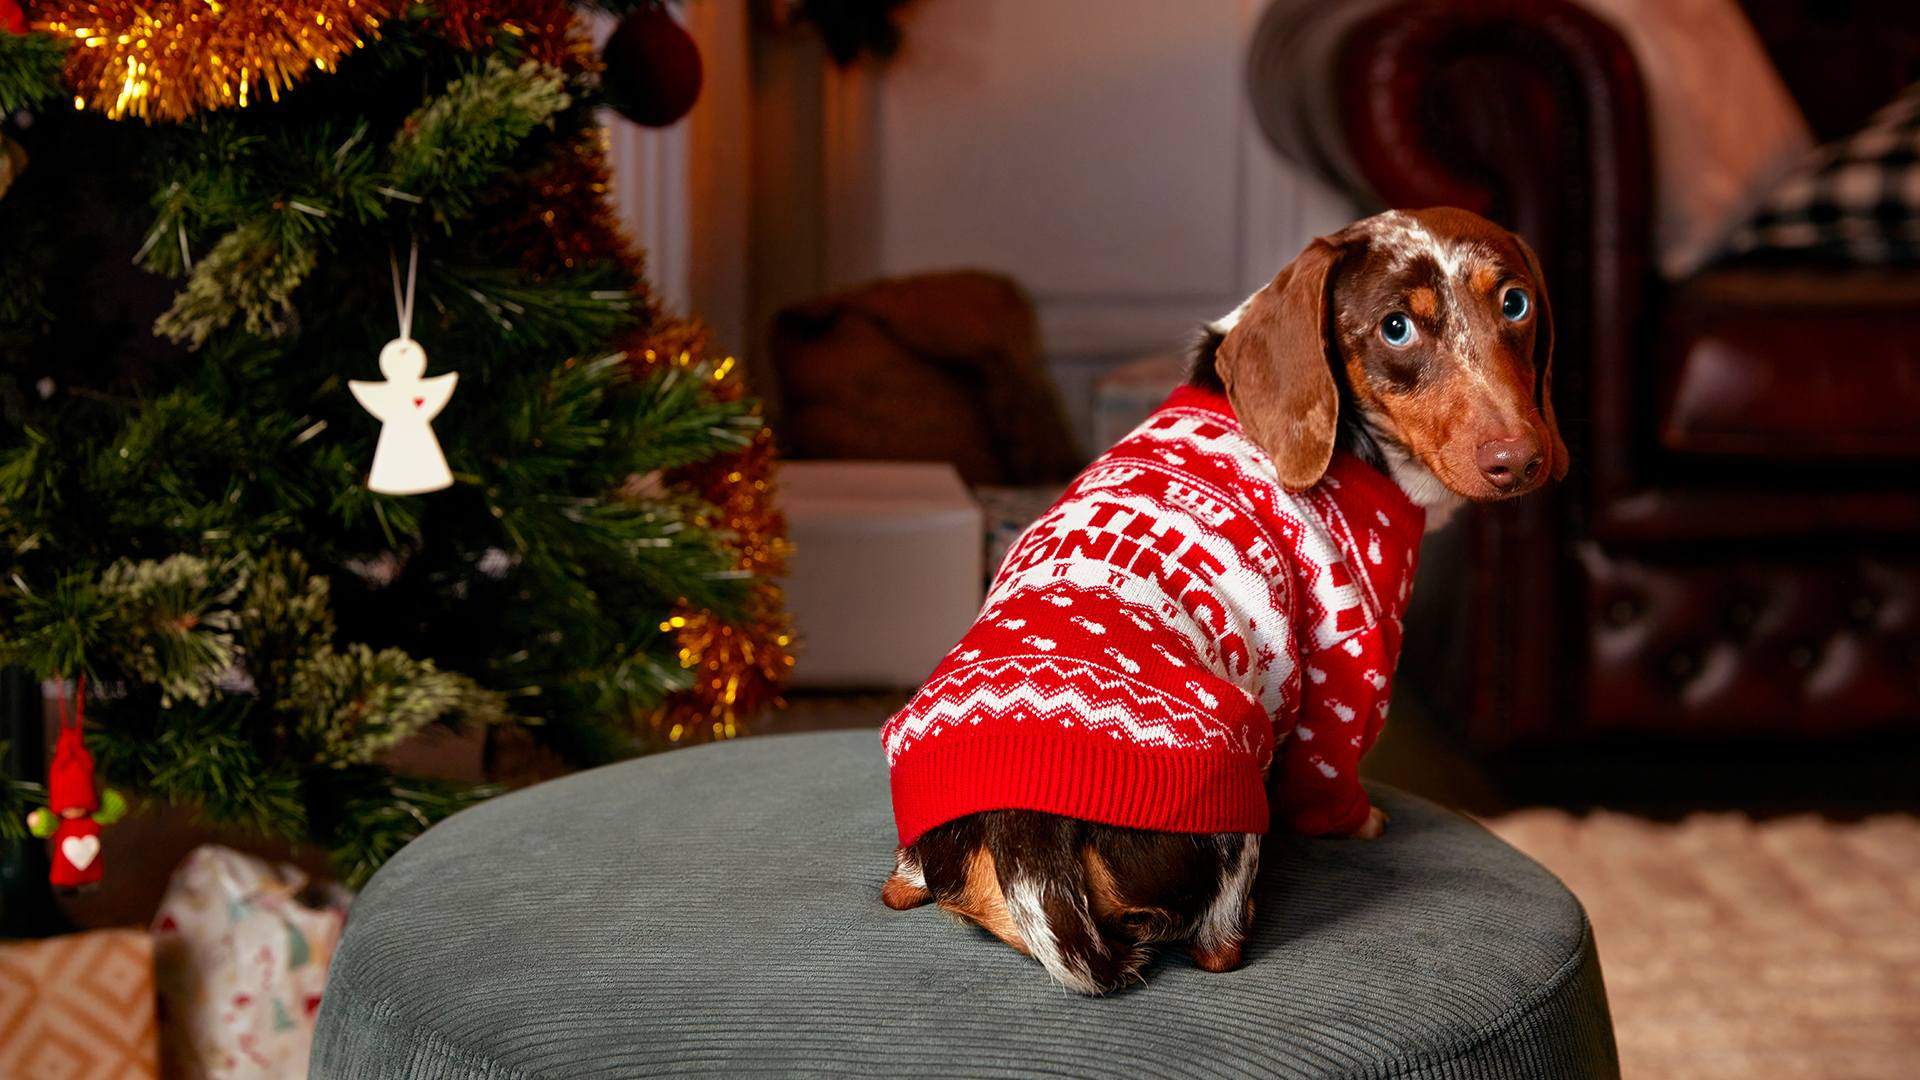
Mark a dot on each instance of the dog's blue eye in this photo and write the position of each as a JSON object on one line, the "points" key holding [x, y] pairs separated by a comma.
{"points": [[1515, 304], [1397, 329]]}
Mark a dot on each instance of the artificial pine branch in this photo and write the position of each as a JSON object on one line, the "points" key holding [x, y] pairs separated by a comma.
{"points": [[285, 617], [249, 275], [30, 70], [557, 318], [368, 814], [674, 421], [205, 757], [355, 704], [165, 623], [25, 493], [451, 148], [50, 628], [203, 465], [444, 156], [172, 624]]}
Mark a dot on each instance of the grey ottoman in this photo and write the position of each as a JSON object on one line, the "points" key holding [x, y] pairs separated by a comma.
{"points": [[717, 910]]}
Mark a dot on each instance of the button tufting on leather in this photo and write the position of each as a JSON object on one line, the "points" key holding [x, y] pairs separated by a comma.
{"points": [[1753, 643], [1862, 608], [1622, 612], [1741, 616], [1681, 665]]}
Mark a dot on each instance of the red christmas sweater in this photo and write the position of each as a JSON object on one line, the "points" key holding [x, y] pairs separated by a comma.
{"points": [[1153, 639]]}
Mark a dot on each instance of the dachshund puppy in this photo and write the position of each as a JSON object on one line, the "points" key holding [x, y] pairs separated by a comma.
{"points": [[1199, 636]]}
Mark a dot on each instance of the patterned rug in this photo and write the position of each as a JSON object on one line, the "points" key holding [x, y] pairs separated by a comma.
{"points": [[1788, 949], [78, 1007]]}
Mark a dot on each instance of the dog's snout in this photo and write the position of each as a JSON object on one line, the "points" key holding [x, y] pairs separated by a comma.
{"points": [[1509, 464]]}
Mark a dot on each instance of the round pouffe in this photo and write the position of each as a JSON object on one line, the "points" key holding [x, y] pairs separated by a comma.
{"points": [[717, 910]]}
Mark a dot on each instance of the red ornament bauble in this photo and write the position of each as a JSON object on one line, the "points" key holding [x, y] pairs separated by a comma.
{"points": [[12, 19], [653, 68]]}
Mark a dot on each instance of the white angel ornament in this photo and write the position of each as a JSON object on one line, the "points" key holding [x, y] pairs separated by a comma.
{"points": [[407, 459]]}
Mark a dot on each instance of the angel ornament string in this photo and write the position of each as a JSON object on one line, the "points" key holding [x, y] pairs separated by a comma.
{"points": [[407, 460]]}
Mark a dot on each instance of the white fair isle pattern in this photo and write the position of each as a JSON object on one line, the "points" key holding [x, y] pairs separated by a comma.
{"points": [[1176, 552], [1076, 692]]}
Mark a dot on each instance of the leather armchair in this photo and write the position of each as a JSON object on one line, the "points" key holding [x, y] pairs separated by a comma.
{"points": [[1734, 553]]}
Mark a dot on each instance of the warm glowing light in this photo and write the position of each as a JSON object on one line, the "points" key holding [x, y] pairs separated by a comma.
{"points": [[742, 664], [170, 59]]}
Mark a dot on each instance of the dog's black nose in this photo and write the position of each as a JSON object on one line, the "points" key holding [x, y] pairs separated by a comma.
{"points": [[1509, 464]]}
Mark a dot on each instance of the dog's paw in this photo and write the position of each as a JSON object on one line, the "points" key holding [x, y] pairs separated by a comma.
{"points": [[902, 896], [1373, 827], [906, 887]]}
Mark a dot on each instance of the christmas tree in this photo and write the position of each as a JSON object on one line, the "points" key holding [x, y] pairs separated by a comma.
{"points": [[208, 216]]}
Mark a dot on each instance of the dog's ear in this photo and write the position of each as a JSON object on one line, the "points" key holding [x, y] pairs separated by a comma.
{"points": [[1543, 358], [1277, 371]]}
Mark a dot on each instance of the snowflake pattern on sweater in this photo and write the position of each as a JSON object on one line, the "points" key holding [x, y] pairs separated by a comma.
{"points": [[1170, 623]]}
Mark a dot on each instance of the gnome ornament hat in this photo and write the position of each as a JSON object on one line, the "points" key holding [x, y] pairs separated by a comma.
{"points": [[70, 777]]}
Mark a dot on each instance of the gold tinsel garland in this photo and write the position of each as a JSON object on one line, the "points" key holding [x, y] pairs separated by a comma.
{"points": [[545, 30], [574, 224], [739, 668], [170, 59]]}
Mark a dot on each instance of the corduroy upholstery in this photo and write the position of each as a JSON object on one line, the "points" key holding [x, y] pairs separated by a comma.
{"points": [[717, 911]]}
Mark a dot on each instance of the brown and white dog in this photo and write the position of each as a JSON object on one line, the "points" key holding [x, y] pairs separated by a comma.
{"points": [[1420, 342]]}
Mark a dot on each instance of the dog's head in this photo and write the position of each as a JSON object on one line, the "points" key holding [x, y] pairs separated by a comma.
{"points": [[1424, 338]]}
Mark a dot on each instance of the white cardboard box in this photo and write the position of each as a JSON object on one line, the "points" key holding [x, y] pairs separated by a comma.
{"points": [[886, 571]]}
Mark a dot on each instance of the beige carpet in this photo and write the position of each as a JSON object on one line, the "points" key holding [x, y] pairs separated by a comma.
{"points": [[1786, 949]]}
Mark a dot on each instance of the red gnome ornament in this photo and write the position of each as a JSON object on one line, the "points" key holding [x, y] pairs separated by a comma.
{"points": [[75, 808]]}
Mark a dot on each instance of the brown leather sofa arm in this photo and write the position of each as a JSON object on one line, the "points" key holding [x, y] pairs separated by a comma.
{"points": [[1528, 111]]}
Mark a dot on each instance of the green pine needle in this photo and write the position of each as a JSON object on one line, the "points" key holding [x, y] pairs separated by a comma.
{"points": [[354, 705], [370, 815], [173, 623], [249, 275], [449, 149], [30, 70], [203, 757]]}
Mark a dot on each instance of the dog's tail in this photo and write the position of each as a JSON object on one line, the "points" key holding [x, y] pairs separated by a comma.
{"points": [[1044, 884]]}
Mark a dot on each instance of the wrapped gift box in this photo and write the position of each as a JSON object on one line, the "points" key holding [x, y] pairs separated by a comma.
{"points": [[886, 570], [241, 958], [80, 1005]]}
